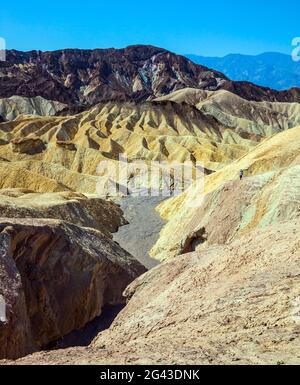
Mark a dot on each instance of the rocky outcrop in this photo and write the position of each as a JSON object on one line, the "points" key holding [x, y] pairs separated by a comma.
{"points": [[55, 278], [11, 108], [71, 207], [229, 304], [13, 175], [15, 331], [29, 146], [76, 77]]}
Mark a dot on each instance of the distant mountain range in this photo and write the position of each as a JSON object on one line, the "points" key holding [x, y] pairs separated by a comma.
{"points": [[273, 70], [82, 78]]}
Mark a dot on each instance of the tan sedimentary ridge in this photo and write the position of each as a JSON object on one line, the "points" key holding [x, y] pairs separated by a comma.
{"points": [[13, 107], [63, 153], [271, 171], [257, 119]]}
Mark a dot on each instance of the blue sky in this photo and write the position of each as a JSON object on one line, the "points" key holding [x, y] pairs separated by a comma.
{"points": [[211, 28]]}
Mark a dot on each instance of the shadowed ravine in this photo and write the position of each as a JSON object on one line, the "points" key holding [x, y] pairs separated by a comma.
{"points": [[138, 237], [85, 335], [142, 232]]}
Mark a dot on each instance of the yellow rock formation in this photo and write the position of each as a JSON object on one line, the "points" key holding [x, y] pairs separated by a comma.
{"points": [[62, 153], [272, 174]]}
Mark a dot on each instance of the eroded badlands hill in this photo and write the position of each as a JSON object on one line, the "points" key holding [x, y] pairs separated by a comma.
{"points": [[231, 208], [249, 118], [11, 108], [62, 153]]}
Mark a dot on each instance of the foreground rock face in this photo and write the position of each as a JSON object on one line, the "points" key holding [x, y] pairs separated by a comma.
{"points": [[228, 304], [15, 332], [55, 278], [71, 207]]}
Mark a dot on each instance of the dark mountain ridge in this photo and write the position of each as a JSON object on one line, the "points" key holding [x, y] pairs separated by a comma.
{"points": [[137, 73]]}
